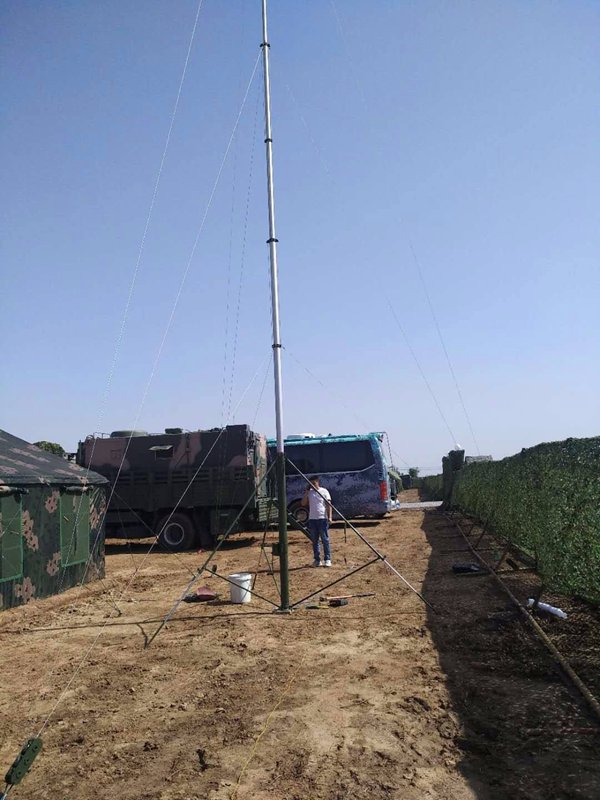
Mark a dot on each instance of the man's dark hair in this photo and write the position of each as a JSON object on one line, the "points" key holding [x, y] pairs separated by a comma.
{"points": [[315, 478]]}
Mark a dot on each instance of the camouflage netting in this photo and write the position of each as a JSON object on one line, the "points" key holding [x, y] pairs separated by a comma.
{"points": [[546, 500], [432, 487]]}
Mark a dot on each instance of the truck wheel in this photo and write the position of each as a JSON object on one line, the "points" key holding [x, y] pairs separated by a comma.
{"points": [[299, 512], [176, 533]]}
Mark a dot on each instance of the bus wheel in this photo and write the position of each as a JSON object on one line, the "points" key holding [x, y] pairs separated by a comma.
{"points": [[176, 532], [299, 512]]}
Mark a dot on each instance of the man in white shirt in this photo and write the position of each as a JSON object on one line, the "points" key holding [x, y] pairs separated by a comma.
{"points": [[320, 515]]}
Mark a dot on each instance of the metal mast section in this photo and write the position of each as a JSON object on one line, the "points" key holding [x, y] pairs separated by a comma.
{"points": [[272, 242]]}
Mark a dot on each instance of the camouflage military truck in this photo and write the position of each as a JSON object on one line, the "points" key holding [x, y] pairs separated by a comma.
{"points": [[188, 486]]}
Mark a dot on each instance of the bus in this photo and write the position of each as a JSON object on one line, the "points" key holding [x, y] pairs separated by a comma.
{"points": [[352, 467]]}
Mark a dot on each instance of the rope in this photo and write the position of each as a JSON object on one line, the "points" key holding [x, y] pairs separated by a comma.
{"points": [[141, 251], [227, 414], [161, 346], [132, 577], [206, 210], [282, 697], [338, 398], [182, 282], [243, 253], [228, 291], [231, 228], [378, 554], [195, 474], [125, 315], [362, 95], [174, 308], [262, 551], [152, 203], [420, 368], [201, 569], [262, 390], [191, 256], [191, 480], [312, 139], [393, 453], [125, 589], [151, 533], [127, 586], [344, 39], [442, 342], [242, 18]]}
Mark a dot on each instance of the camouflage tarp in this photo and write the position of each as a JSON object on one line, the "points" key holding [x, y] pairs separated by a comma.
{"points": [[51, 523]]}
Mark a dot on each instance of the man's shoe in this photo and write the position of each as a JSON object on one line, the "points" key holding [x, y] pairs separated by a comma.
{"points": [[316, 564], [327, 563]]}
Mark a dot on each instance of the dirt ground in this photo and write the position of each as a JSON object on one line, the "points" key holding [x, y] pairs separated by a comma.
{"points": [[382, 698]]}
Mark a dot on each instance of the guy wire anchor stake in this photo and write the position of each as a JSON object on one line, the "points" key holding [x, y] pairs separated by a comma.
{"points": [[22, 764]]}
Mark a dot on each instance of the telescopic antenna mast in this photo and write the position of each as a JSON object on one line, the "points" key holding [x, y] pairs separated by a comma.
{"points": [[272, 242]]}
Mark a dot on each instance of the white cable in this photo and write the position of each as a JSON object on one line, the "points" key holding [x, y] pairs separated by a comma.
{"points": [[177, 298], [243, 256], [142, 562], [147, 223], [195, 245], [347, 49], [327, 389], [262, 390], [364, 102], [420, 368], [442, 342], [339, 400], [181, 285], [132, 285], [313, 141]]}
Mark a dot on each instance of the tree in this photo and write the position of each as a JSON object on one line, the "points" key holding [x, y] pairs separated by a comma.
{"points": [[413, 472], [51, 447]]}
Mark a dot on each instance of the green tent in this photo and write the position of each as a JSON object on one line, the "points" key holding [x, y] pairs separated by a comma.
{"points": [[51, 523]]}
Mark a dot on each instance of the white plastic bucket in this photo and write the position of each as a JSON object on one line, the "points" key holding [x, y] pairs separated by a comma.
{"points": [[240, 586]]}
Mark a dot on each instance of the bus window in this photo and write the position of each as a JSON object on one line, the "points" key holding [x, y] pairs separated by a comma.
{"points": [[304, 457], [346, 456]]}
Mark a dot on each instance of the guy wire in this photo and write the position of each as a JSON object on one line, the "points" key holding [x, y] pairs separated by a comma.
{"points": [[420, 368], [334, 395], [132, 285], [443, 343], [363, 98], [135, 571], [181, 284]]}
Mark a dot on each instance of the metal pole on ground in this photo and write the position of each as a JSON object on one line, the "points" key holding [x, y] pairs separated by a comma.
{"points": [[272, 242]]}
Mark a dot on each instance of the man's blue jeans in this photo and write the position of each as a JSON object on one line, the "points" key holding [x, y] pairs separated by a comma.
{"points": [[319, 529]]}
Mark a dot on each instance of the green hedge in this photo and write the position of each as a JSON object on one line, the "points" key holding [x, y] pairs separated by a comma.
{"points": [[546, 500], [431, 487]]}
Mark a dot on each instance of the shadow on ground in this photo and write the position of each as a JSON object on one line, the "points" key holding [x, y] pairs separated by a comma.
{"points": [[524, 734], [140, 546]]}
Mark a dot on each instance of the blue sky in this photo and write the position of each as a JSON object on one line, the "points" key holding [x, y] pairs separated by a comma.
{"points": [[459, 136]]}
